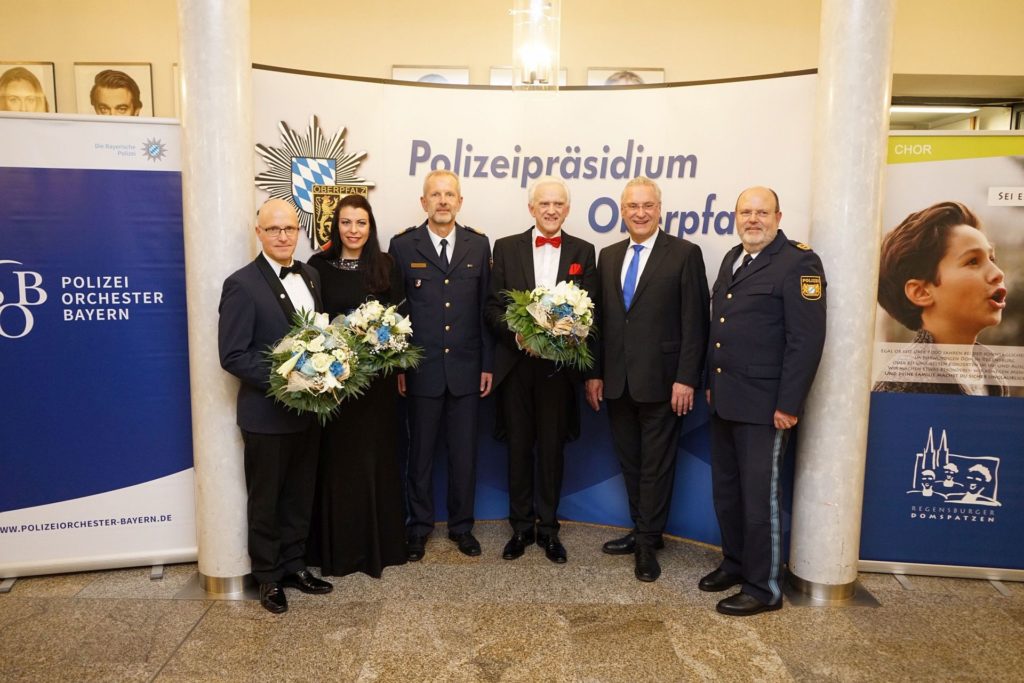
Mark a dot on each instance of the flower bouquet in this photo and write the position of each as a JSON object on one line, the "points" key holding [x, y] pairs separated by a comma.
{"points": [[382, 336], [315, 366], [553, 323]]}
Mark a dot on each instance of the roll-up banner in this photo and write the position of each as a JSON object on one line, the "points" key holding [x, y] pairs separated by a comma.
{"points": [[944, 489], [319, 136], [96, 454]]}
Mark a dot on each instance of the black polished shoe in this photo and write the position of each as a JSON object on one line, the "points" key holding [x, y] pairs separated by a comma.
{"points": [[272, 598], [719, 580], [415, 547], [468, 545], [627, 544], [306, 582], [744, 605], [553, 548], [647, 567], [516, 545]]}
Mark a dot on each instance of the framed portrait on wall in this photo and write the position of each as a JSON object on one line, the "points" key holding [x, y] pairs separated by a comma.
{"points": [[27, 86], [114, 89], [624, 75], [454, 75]]}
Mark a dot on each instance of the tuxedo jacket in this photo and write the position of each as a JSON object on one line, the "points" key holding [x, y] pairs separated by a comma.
{"points": [[255, 313], [513, 270], [767, 332], [662, 338], [446, 310]]}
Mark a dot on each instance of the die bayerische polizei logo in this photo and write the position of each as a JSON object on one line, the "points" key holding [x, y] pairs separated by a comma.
{"points": [[313, 173]]}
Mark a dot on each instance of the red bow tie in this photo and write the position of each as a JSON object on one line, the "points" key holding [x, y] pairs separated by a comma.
{"points": [[556, 242]]}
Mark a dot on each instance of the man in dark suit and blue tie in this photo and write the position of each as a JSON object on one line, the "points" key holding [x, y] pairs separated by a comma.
{"points": [[256, 309], [447, 271], [767, 334], [653, 325], [537, 398]]}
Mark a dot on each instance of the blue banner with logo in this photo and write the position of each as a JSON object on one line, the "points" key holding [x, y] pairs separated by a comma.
{"points": [[97, 455]]}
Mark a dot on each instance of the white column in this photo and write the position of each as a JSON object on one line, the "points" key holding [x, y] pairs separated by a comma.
{"points": [[216, 108], [850, 142]]}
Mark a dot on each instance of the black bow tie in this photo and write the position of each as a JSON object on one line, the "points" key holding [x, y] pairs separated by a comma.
{"points": [[293, 268]]}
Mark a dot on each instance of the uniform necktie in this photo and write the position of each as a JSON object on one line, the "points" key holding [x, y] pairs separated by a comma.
{"points": [[629, 286], [747, 258], [556, 242], [444, 255]]}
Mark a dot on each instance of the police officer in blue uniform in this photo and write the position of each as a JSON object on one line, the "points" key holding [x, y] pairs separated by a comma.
{"points": [[446, 268], [767, 334]]}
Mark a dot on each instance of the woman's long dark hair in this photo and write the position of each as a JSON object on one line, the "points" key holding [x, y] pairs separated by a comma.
{"points": [[375, 265]]}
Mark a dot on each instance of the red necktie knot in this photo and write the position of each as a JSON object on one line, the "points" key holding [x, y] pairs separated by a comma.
{"points": [[556, 242]]}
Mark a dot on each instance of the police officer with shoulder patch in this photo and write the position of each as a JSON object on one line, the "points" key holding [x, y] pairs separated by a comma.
{"points": [[767, 333], [446, 268]]}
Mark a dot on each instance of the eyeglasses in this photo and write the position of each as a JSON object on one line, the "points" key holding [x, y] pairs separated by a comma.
{"points": [[647, 206], [276, 231], [747, 213]]}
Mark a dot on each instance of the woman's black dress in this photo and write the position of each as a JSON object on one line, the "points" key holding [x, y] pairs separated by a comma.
{"points": [[357, 523]]}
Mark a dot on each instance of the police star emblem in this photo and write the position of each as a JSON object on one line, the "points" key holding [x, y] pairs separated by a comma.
{"points": [[313, 173], [810, 287]]}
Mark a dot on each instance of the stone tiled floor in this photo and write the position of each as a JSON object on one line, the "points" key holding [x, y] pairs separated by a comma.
{"points": [[453, 618]]}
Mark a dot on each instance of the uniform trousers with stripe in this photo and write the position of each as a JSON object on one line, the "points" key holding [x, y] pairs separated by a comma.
{"points": [[746, 464]]}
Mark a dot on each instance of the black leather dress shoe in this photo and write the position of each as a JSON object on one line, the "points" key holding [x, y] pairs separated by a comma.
{"points": [[468, 545], [306, 582], [553, 548], [272, 598], [719, 580], [744, 605], [516, 545], [647, 567], [626, 545], [415, 547]]}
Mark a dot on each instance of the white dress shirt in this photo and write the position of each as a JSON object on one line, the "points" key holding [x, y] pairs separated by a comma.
{"points": [[545, 260], [436, 241], [739, 260], [645, 254], [295, 287]]}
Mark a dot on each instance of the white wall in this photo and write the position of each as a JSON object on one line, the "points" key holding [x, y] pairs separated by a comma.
{"points": [[690, 40]]}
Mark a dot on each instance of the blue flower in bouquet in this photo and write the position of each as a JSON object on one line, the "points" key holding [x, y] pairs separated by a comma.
{"points": [[305, 365], [383, 335], [337, 369], [562, 310]]}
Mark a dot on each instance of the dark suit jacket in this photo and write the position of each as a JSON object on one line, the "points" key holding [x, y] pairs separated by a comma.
{"points": [[446, 310], [767, 332], [513, 270], [662, 338], [255, 312]]}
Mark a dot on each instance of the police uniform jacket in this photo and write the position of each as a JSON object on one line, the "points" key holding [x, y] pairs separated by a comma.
{"points": [[446, 309], [767, 332]]}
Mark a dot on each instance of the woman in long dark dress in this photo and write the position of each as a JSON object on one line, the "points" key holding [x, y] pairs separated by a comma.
{"points": [[357, 523]]}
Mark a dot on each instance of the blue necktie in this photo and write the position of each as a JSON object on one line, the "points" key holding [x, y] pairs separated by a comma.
{"points": [[629, 286]]}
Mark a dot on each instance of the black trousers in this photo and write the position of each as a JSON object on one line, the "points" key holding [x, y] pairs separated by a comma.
{"points": [[457, 416], [280, 476], [535, 399], [746, 461], [646, 438]]}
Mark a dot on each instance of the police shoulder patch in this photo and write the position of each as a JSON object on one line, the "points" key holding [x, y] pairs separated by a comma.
{"points": [[474, 230], [800, 245], [810, 287]]}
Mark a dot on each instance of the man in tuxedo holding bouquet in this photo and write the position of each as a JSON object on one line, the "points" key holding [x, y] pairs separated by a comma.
{"points": [[257, 305], [537, 403]]}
